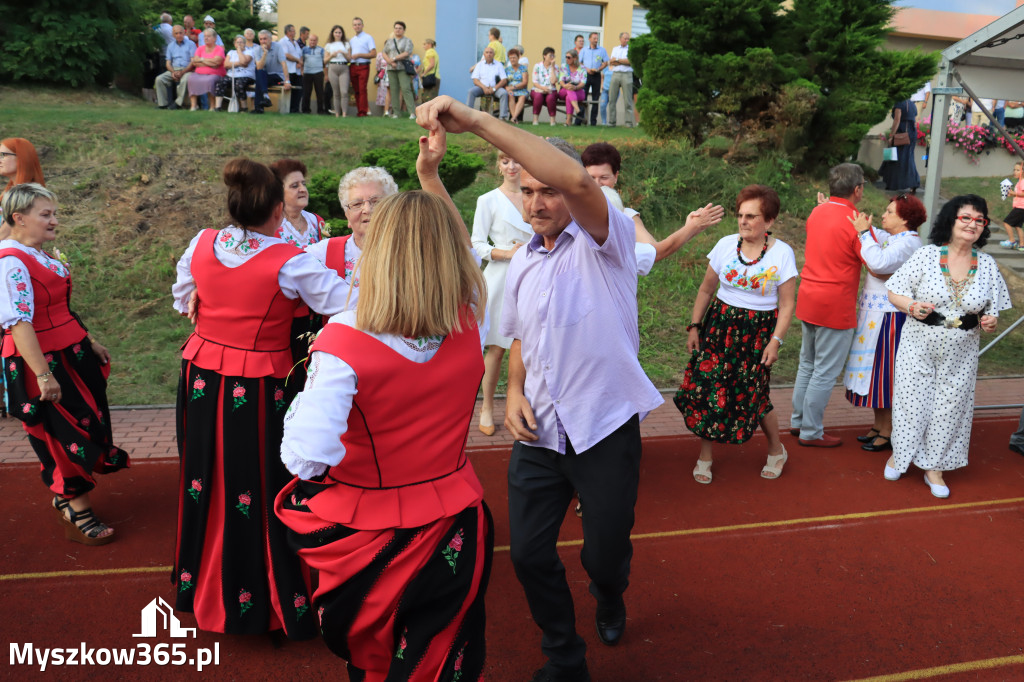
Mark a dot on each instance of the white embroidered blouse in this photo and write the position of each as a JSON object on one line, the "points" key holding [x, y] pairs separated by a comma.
{"points": [[18, 301]]}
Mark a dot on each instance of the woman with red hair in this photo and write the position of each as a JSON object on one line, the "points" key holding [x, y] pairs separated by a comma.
{"points": [[19, 164], [869, 370]]}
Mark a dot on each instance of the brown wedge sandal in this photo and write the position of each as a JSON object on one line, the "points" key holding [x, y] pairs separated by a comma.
{"points": [[82, 526]]}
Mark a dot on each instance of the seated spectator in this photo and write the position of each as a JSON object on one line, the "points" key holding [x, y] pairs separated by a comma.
{"points": [[271, 69], [208, 22], [572, 84], [241, 74], [517, 83], [522, 56], [178, 57], [313, 58], [489, 80], [208, 64], [191, 32], [545, 85]]}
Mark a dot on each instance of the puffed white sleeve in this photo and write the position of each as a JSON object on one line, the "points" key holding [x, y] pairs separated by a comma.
{"points": [[18, 301], [645, 257], [318, 416], [888, 260], [483, 218], [318, 251], [998, 294], [905, 280], [184, 285], [317, 285]]}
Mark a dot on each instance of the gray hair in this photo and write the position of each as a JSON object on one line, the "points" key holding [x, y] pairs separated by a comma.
{"points": [[365, 174], [288, 26], [165, 18], [566, 148], [249, 32], [211, 31], [267, 33], [844, 179], [20, 198]]}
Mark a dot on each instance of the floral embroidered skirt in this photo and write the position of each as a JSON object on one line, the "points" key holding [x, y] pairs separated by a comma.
{"points": [[232, 565], [725, 390], [71, 438], [400, 604]]}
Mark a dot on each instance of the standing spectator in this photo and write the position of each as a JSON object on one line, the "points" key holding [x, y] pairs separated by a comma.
{"points": [[364, 50], [577, 43], [271, 69], [545, 85], [593, 59], [165, 29], [902, 174], [827, 303], [622, 82], [303, 38], [241, 73], [606, 81], [429, 70], [494, 36], [397, 51], [568, 356], [921, 97], [178, 63], [208, 65], [489, 79], [572, 79], [1014, 220], [337, 55], [951, 293], [313, 58], [191, 32], [517, 82], [293, 57], [383, 85], [210, 23], [869, 371]]}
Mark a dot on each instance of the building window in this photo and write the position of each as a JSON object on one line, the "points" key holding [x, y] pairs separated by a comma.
{"points": [[580, 18], [639, 26], [500, 14]]}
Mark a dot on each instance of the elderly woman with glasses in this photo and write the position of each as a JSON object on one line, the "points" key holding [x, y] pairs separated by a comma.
{"points": [[950, 291], [869, 369], [359, 192], [572, 80]]}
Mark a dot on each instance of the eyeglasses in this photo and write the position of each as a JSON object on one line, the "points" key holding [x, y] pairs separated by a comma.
{"points": [[748, 216], [569, 56], [900, 197], [4, 155], [359, 205], [967, 220]]}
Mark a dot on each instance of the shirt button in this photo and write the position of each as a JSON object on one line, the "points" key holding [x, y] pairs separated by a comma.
{"points": [[543, 293], [558, 402]]}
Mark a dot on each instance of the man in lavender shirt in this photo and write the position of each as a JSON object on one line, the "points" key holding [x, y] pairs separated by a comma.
{"points": [[576, 390]]}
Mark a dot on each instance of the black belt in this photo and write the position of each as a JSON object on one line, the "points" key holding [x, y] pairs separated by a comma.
{"points": [[965, 322]]}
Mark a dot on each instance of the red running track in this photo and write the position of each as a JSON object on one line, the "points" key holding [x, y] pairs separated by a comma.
{"points": [[828, 573]]}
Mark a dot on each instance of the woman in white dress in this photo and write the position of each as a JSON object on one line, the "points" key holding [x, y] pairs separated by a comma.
{"points": [[869, 370], [949, 290], [498, 232]]}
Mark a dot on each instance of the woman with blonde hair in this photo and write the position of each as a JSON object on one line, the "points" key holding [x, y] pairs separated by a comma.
{"points": [[386, 507]]}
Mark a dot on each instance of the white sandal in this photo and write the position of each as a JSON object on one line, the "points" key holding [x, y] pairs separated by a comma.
{"points": [[775, 464], [703, 468]]}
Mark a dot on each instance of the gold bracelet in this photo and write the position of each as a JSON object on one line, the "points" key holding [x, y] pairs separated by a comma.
{"points": [[45, 377]]}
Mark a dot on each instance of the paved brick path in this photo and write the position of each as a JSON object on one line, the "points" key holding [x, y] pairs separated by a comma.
{"points": [[148, 433]]}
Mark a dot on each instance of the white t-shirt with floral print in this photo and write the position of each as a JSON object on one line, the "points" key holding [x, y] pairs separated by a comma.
{"points": [[752, 287]]}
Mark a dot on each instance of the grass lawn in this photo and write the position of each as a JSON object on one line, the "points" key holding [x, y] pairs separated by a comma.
{"points": [[135, 185]]}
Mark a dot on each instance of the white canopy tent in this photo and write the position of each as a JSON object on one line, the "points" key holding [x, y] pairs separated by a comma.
{"points": [[986, 64]]}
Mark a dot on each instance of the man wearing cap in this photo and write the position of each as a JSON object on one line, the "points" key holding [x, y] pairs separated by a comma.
{"points": [[208, 22]]}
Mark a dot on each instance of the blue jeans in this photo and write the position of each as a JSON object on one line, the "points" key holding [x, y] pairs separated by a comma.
{"points": [[823, 353], [603, 107]]}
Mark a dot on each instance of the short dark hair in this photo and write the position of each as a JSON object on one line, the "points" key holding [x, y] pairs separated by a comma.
{"points": [[284, 167], [304, 29], [766, 196], [253, 192], [547, 51], [494, 32], [513, 51], [601, 153], [844, 179], [594, 33], [400, 23], [911, 210], [942, 228], [565, 147], [578, 35]]}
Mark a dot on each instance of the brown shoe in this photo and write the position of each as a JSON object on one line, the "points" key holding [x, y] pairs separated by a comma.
{"points": [[794, 432], [826, 441]]}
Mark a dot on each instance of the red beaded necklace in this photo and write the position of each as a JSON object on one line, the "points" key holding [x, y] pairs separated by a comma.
{"points": [[739, 251]]}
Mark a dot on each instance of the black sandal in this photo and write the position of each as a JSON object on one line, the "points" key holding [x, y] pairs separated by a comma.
{"points": [[82, 527], [872, 434], [872, 447]]}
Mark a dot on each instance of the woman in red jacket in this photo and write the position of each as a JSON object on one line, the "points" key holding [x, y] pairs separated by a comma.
{"points": [[56, 374], [232, 566], [386, 508]]}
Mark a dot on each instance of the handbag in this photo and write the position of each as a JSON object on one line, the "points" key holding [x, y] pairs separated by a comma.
{"points": [[901, 139], [409, 68], [430, 81]]}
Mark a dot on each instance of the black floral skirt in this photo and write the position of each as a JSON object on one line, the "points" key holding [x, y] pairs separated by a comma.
{"points": [[725, 390]]}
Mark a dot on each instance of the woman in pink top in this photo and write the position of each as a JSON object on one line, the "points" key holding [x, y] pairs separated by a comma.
{"points": [[209, 68]]}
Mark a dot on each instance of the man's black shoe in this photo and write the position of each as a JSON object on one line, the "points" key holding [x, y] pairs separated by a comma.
{"points": [[256, 111], [546, 675], [1016, 448], [161, 107], [611, 622]]}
